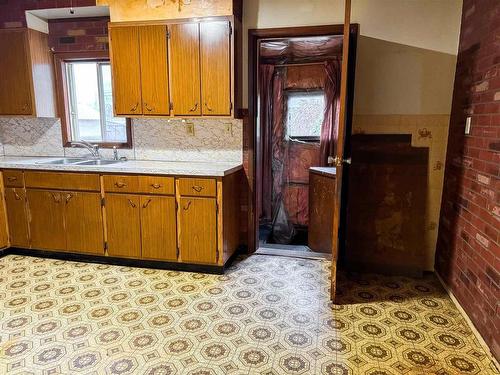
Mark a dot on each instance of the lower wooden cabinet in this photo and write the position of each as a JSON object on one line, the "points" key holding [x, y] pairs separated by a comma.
{"points": [[15, 202], [65, 221], [123, 225], [83, 222], [198, 230], [46, 219], [158, 229]]}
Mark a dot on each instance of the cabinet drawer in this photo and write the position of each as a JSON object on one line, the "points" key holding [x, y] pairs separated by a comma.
{"points": [[139, 184], [13, 178], [62, 181], [197, 187]]}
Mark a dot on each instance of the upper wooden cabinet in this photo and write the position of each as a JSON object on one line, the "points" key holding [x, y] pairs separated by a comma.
{"points": [[27, 84], [126, 65], [179, 69], [185, 64], [215, 73]]}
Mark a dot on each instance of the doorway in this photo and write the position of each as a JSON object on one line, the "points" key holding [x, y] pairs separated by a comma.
{"points": [[290, 99]]}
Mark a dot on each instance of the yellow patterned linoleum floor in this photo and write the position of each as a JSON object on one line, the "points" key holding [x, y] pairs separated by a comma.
{"points": [[266, 315]]}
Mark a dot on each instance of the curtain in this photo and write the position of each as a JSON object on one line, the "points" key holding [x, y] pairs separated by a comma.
{"points": [[264, 153], [329, 129], [278, 144]]}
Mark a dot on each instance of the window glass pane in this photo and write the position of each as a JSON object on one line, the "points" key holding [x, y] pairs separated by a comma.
{"points": [[115, 129], [305, 114], [85, 109], [91, 104]]}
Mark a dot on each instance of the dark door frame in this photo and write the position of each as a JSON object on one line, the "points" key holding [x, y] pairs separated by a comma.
{"points": [[254, 35]]}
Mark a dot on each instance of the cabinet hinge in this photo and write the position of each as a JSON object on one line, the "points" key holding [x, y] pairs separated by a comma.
{"points": [[176, 205], [171, 106], [230, 29], [105, 245], [231, 106], [168, 34], [103, 202], [217, 256], [217, 208], [178, 253]]}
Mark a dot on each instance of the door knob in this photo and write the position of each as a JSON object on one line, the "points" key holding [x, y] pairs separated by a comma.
{"points": [[339, 161]]}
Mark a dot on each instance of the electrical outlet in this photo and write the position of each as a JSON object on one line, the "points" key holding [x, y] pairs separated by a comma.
{"points": [[190, 128], [229, 128]]}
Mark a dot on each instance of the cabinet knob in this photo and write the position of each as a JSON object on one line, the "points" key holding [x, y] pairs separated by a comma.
{"points": [[68, 197], [147, 203], [186, 207], [155, 186], [132, 204], [194, 108], [120, 185], [208, 107], [56, 197], [148, 108], [134, 108], [197, 188], [16, 196]]}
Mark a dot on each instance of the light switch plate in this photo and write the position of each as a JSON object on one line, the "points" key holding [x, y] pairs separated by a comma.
{"points": [[468, 122]]}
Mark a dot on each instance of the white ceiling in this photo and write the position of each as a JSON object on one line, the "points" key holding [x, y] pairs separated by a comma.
{"points": [[79, 12]]}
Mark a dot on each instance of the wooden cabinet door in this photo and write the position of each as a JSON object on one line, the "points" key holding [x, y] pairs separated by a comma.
{"points": [[46, 219], [215, 68], [15, 94], [198, 230], [185, 68], [123, 225], [126, 71], [15, 201], [4, 234], [83, 219], [154, 70], [158, 228]]}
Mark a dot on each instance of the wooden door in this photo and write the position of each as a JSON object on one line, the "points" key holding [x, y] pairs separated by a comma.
{"points": [[15, 201], [4, 233], [16, 87], [341, 159], [126, 71], [215, 68], [158, 228], [185, 68], [198, 230], [83, 219], [46, 219], [154, 70], [123, 225]]}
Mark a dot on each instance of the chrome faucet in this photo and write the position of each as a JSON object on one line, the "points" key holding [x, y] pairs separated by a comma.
{"points": [[93, 149]]}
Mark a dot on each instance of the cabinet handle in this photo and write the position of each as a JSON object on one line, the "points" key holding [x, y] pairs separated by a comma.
{"points": [[194, 108], [134, 108], [197, 188], [132, 203], [147, 108], [56, 197], [68, 197], [120, 184], [11, 178], [147, 203], [25, 107], [208, 107], [155, 186], [16, 196], [186, 207]]}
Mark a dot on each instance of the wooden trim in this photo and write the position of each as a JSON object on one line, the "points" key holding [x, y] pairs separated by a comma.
{"points": [[252, 130], [63, 99], [172, 21]]}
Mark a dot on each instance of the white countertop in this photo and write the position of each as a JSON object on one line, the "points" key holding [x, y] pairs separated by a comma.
{"points": [[130, 166]]}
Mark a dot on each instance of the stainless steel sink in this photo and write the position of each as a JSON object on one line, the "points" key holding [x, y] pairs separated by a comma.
{"points": [[63, 161], [99, 162]]}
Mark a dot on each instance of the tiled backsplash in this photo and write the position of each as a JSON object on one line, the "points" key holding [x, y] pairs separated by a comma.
{"points": [[153, 139]]}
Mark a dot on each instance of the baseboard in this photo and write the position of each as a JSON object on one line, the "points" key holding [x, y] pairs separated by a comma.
{"points": [[473, 328]]}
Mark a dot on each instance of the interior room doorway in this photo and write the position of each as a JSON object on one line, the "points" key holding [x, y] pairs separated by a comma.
{"points": [[294, 103]]}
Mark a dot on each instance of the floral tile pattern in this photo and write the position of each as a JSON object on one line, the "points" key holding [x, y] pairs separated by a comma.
{"points": [[266, 315]]}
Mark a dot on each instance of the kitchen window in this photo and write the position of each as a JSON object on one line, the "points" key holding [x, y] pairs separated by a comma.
{"points": [[85, 97], [305, 112]]}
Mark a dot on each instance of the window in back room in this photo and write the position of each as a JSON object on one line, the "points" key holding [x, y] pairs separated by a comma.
{"points": [[305, 113], [90, 102]]}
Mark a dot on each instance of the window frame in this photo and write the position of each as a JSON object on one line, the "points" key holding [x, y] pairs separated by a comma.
{"points": [[303, 138], [63, 99]]}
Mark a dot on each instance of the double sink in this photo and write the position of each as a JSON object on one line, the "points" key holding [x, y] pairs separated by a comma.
{"points": [[79, 161]]}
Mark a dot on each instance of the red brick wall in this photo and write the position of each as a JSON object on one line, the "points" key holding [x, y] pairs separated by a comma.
{"points": [[468, 252], [90, 34], [12, 11]]}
